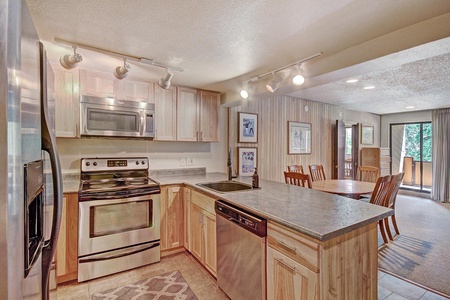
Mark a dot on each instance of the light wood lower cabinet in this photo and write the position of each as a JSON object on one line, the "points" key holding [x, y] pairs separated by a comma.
{"points": [[187, 218], [203, 231], [287, 279], [300, 267], [67, 246], [172, 219]]}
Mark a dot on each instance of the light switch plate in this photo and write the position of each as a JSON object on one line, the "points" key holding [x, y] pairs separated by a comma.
{"points": [[189, 161], [183, 162]]}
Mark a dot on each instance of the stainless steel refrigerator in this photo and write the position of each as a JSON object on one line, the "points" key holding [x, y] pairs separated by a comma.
{"points": [[26, 207]]}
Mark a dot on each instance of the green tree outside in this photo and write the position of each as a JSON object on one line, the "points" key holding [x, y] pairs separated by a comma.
{"points": [[412, 141]]}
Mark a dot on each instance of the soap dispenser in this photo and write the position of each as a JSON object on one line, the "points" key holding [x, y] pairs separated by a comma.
{"points": [[255, 179]]}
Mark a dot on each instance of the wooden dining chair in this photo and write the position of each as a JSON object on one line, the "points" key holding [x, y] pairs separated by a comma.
{"points": [[380, 196], [296, 178], [295, 168], [396, 182], [368, 173], [317, 172]]}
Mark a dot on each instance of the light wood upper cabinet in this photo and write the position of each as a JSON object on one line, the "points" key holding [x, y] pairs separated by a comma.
{"points": [[172, 218], [187, 115], [165, 113], [97, 84], [135, 90], [67, 246], [209, 116], [67, 102], [197, 115]]}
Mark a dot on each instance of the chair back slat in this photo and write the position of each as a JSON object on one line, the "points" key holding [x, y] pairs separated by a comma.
{"points": [[295, 168], [317, 172], [381, 191], [396, 182], [368, 173], [296, 178]]}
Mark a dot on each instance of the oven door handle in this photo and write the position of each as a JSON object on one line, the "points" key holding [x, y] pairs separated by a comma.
{"points": [[121, 253]]}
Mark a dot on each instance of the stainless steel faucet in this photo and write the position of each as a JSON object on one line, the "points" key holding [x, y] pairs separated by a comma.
{"points": [[230, 171]]}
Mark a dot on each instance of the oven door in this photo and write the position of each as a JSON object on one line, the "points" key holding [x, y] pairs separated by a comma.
{"points": [[106, 225]]}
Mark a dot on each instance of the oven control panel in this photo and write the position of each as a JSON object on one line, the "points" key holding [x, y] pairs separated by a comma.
{"points": [[113, 164]]}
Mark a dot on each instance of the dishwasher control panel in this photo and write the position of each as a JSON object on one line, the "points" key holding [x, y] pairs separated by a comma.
{"points": [[242, 218]]}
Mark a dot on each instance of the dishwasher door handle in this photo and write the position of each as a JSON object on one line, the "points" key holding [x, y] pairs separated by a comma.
{"points": [[233, 220]]}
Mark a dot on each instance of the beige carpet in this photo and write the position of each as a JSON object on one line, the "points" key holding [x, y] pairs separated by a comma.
{"points": [[422, 251], [168, 286]]}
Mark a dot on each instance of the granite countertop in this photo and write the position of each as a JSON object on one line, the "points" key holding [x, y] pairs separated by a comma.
{"points": [[317, 214]]}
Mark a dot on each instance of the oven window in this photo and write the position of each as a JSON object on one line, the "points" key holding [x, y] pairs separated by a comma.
{"points": [[116, 218], [112, 120]]}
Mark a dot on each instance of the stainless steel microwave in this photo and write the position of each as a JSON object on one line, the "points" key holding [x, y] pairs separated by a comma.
{"points": [[116, 118]]}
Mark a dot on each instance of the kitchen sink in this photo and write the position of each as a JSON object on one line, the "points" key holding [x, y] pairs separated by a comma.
{"points": [[226, 186]]}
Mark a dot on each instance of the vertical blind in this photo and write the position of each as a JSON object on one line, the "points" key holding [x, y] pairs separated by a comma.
{"points": [[441, 155]]}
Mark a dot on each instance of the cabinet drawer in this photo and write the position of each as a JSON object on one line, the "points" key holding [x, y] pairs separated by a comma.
{"points": [[203, 202], [296, 247]]}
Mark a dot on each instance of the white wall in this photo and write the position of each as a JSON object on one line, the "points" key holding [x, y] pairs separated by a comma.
{"points": [[408, 117], [162, 155]]}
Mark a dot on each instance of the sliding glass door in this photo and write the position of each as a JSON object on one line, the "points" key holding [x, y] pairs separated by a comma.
{"points": [[410, 145]]}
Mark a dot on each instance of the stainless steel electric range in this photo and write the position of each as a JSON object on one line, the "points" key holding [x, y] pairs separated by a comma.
{"points": [[119, 216]]}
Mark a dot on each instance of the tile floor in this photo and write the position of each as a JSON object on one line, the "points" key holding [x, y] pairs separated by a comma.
{"points": [[205, 287]]}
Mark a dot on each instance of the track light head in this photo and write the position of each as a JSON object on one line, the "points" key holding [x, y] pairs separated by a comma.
{"points": [[272, 85], [122, 71], [164, 82], [71, 61], [298, 79]]}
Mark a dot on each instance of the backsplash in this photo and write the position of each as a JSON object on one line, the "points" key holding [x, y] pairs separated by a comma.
{"points": [[178, 172]]}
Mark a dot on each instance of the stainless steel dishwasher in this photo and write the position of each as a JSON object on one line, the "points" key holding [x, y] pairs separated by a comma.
{"points": [[241, 252]]}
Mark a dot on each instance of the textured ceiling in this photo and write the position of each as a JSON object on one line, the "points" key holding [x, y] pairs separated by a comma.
{"points": [[221, 43]]}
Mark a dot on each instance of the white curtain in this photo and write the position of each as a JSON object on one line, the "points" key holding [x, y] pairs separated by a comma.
{"points": [[441, 155]]}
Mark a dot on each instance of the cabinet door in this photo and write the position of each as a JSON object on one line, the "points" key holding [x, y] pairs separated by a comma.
{"points": [[97, 84], [209, 116], [187, 115], [135, 90], [67, 246], [197, 232], [165, 114], [67, 102], [171, 218], [187, 218], [287, 279], [210, 242]]}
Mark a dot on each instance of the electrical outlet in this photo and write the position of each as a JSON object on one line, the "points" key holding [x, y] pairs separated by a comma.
{"points": [[183, 162], [189, 161]]}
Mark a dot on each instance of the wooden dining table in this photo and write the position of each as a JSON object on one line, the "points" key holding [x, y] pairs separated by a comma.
{"points": [[344, 187]]}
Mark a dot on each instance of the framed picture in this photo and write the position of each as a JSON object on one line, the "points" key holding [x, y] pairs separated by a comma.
{"points": [[247, 161], [367, 135], [248, 128], [299, 138]]}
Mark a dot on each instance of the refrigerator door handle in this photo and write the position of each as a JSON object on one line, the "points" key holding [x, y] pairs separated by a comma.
{"points": [[49, 145]]}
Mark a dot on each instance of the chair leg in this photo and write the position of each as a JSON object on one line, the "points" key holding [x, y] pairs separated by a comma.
{"points": [[388, 229], [383, 233], [394, 222]]}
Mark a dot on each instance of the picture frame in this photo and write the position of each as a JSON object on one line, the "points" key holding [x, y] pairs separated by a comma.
{"points": [[299, 138], [367, 135], [248, 128], [247, 160]]}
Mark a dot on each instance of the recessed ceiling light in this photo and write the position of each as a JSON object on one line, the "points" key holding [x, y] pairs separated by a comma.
{"points": [[352, 80], [409, 107], [369, 87]]}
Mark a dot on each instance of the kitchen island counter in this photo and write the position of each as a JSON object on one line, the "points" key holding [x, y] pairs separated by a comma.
{"points": [[319, 215]]}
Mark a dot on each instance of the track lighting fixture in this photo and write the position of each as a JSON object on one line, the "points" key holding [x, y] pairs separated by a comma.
{"points": [[272, 85], [164, 82], [298, 79], [122, 71], [71, 61]]}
